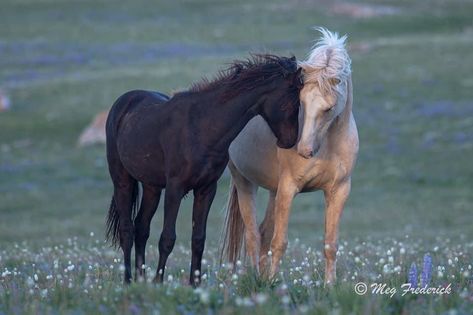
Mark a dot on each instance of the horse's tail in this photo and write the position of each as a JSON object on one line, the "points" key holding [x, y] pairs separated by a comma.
{"points": [[113, 219], [233, 229]]}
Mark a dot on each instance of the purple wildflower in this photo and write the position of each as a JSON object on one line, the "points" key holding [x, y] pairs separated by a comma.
{"points": [[134, 309], [426, 271], [412, 277]]}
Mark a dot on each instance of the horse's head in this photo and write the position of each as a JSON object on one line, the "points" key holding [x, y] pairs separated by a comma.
{"points": [[324, 95], [280, 106]]}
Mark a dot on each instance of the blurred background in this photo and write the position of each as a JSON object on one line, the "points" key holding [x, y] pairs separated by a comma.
{"points": [[63, 62]]}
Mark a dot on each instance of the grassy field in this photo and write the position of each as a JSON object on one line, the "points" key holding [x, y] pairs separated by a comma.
{"points": [[61, 62]]}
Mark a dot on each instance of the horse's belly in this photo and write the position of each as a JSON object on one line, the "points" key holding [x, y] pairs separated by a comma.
{"points": [[254, 154], [145, 169]]}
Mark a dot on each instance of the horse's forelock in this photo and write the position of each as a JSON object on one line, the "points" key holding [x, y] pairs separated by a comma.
{"points": [[328, 60]]}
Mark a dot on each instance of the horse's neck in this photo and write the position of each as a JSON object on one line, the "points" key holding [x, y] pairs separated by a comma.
{"points": [[234, 114], [340, 129], [343, 119]]}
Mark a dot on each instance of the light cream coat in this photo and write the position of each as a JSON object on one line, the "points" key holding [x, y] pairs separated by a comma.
{"points": [[323, 159]]}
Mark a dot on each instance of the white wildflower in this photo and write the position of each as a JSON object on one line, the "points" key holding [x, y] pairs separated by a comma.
{"points": [[204, 296], [261, 298], [29, 282], [285, 300]]}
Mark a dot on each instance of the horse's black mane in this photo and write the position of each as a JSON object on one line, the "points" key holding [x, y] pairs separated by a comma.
{"points": [[257, 70]]}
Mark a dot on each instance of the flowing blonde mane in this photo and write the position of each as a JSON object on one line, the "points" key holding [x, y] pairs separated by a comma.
{"points": [[327, 61]]}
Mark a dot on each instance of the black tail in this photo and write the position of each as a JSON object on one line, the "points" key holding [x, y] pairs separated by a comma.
{"points": [[113, 220]]}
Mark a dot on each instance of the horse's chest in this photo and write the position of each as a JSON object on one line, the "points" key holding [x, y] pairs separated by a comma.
{"points": [[208, 169], [313, 176]]}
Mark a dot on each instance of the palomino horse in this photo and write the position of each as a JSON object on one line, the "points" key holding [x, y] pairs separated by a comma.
{"points": [[323, 159], [181, 144]]}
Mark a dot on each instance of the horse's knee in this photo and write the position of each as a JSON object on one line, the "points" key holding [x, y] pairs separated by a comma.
{"points": [[166, 244], [330, 251]]}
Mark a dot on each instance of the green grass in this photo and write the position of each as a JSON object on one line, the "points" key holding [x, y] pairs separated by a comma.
{"points": [[63, 61]]}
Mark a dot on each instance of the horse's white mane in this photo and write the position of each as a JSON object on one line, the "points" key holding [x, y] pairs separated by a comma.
{"points": [[328, 60]]}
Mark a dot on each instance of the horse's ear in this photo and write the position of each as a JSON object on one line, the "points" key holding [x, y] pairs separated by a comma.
{"points": [[289, 66], [285, 70], [299, 78]]}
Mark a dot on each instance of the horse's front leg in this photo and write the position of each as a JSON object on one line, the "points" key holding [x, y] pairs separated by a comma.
{"points": [[203, 198], [335, 199], [266, 230], [284, 196], [172, 200]]}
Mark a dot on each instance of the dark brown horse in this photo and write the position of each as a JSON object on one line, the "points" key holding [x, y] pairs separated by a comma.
{"points": [[181, 144]]}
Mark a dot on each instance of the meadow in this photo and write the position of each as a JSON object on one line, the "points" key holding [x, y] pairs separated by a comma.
{"points": [[61, 62]]}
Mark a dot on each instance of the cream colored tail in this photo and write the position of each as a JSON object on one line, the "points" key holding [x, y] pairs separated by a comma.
{"points": [[233, 229]]}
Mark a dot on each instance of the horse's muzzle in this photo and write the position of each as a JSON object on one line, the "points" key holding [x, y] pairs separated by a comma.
{"points": [[285, 145]]}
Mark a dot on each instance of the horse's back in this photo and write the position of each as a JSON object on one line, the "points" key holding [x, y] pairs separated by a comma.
{"points": [[130, 101], [254, 154]]}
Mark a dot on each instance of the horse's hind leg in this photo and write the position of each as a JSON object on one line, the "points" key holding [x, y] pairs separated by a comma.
{"points": [[266, 230], [149, 204], [247, 204], [125, 191], [284, 196]]}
